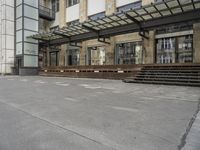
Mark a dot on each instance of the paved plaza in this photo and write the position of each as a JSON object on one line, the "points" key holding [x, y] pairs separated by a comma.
{"points": [[41, 113]]}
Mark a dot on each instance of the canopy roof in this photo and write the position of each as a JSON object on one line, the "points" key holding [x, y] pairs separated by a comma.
{"points": [[154, 11]]}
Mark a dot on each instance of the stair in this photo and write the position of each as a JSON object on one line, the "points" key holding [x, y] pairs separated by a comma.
{"points": [[185, 75]]}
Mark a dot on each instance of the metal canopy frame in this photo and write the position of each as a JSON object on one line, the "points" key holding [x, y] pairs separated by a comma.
{"points": [[139, 20]]}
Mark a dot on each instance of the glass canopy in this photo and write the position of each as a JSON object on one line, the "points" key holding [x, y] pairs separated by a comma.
{"points": [[149, 12]]}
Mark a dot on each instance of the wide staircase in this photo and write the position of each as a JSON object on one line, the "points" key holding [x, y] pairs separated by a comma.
{"points": [[186, 75]]}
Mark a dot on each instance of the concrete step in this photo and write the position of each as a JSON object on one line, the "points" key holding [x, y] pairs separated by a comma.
{"points": [[162, 82], [169, 76]]}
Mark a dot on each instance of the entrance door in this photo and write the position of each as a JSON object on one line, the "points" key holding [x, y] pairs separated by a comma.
{"points": [[18, 65], [97, 55], [73, 57], [175, 50]]}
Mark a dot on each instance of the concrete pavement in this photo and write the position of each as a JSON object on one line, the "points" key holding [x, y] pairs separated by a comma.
{"points": [[40, 113]]}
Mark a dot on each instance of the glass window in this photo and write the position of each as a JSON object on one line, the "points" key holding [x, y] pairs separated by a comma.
{"points": [[166, 50], [54, 58], [30, 24], [18, 48], [185, 49], [96, 55], [28, 34], [19, 36], [19, 11], [129, 53], [30, 48], [18, 2], [73, 57], [30, 61], [30, 12], [72, 2], [33, 3], [19, 24], [55, 5], [128, 7], [175, 49]]}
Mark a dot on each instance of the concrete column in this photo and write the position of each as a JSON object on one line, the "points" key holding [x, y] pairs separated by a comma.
{"points": [[62, 11], [196, 43], [83, 52], [149, 48], [110, 49], [83, 17], [147, 2], [83, 10], [110, 7], [48, 57], [62, 22]]}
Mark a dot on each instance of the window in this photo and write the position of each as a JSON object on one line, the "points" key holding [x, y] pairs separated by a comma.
{"points": [[72, 2], [97, 16], [129, 6], [55, 5], [73, 57], [175, 50], [96, 55], [129, 53]]}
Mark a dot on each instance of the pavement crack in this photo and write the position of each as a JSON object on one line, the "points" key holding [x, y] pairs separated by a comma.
{"points": [[192, 120], [57, 125]]}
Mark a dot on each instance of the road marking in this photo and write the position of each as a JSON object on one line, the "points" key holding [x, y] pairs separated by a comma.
{"points": [[71, 99], [40, 81], [24, 80], [10, 79], [124, 109], [63, 84]]}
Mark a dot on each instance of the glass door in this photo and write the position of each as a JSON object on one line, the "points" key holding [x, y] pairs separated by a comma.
{"points": [[74, 57], [97, 55], [166, 50], [129, 53], [175, 50], [185, 49]]}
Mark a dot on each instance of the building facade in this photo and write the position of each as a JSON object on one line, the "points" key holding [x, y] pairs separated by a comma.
{"points": [[170, 43]]}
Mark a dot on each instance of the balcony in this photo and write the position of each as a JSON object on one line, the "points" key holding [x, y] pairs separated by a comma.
{"points": [[46, 13]]}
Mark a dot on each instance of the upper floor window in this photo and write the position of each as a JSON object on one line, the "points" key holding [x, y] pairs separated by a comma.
{"points": [[72, 2], [55, 5], [97, 16], [128, 7]]}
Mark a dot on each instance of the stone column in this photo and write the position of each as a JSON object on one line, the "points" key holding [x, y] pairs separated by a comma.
{"points": [[48, 57], [110, 7], [62, 22], [196, 43], [83, 17], [149, 48], [110, 49], [147, 2]]}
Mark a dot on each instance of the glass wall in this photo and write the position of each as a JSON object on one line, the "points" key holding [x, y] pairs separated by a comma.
{"points": [[74, 57], [166, 50], [96, 55], [175, 50], [54, 58], [129, 53], [26, 25]]}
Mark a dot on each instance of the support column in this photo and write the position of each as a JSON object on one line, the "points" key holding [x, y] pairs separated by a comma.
{"points": [[83, 17], [62, 22], [48, 57], [149, 48], [110, 49], [147, 2], [196, 43]]}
